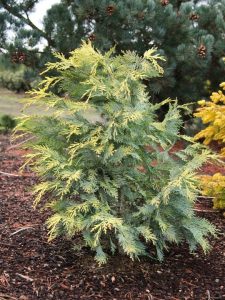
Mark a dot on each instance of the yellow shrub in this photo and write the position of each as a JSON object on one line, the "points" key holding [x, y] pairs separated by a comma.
{"points": [[214, 186], [213, 113]]}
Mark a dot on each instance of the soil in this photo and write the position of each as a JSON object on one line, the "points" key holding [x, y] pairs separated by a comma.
{"points": [[32, 268]]}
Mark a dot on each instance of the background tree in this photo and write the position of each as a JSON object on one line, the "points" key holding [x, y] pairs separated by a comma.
{"points": [[190, 34]]}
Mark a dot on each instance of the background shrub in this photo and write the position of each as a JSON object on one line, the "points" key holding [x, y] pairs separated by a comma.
{"points": [[212, 113], [17, 77], [21, 79], [6, 123], [214, 186]]}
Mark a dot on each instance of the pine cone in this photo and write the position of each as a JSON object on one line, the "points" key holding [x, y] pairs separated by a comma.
{"points": [[92, 37], [165, 2], [202, 50], [22, 57], [194, 17], [90, 15], [110, 9], [14, 58], [18, 57], [141, 15]]}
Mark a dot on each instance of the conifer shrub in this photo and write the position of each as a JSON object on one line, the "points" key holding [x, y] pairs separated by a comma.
{"points": [[97, 177], [214, 186], [212, 113]]}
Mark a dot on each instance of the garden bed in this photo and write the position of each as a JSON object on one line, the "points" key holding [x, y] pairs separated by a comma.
{"points": [[32, 268]]}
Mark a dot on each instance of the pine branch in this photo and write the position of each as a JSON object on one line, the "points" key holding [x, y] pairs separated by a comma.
{"points": [[27, 21]]}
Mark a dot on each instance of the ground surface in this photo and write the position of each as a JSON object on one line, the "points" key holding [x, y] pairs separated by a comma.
{"points": [[31, 268], [10, 102]]}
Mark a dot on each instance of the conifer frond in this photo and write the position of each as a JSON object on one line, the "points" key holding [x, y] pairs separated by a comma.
{"points": [[153, 58], [100, 256]]}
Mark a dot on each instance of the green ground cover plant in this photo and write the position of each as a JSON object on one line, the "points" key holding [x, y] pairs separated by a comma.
{"points": [[6, 123], [97, 176]]}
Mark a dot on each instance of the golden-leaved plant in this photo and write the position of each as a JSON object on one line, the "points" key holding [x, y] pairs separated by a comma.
{"points": [[212, 113]]}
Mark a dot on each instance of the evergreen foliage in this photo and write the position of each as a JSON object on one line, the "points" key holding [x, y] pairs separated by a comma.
{"points": [[98, 179], [6, 123], [16, 77], [190, 34], [214, 186], [212, 113]]}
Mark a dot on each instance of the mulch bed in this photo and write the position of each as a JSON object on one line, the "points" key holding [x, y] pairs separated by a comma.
{"points": [[32, 268]]}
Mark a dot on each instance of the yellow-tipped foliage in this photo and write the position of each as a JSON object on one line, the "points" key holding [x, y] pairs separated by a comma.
{"points": [[214, 186], [89, 166], [212, 113]]}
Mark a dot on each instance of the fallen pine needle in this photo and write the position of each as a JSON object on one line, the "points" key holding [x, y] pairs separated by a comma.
{"points": [[19, 144], [8, 245], [6, 297], [25, 277], [208, 294], [205, 210], [9, 174], [21, 229], [16, 175], [189, 283]]}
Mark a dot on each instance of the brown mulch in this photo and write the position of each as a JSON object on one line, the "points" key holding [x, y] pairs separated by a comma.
{"points": [[32, 268]]}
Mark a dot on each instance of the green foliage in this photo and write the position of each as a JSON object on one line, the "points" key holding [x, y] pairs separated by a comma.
{"points": [[178, 30], [6, 123], [97, 177], [16, 81]]}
